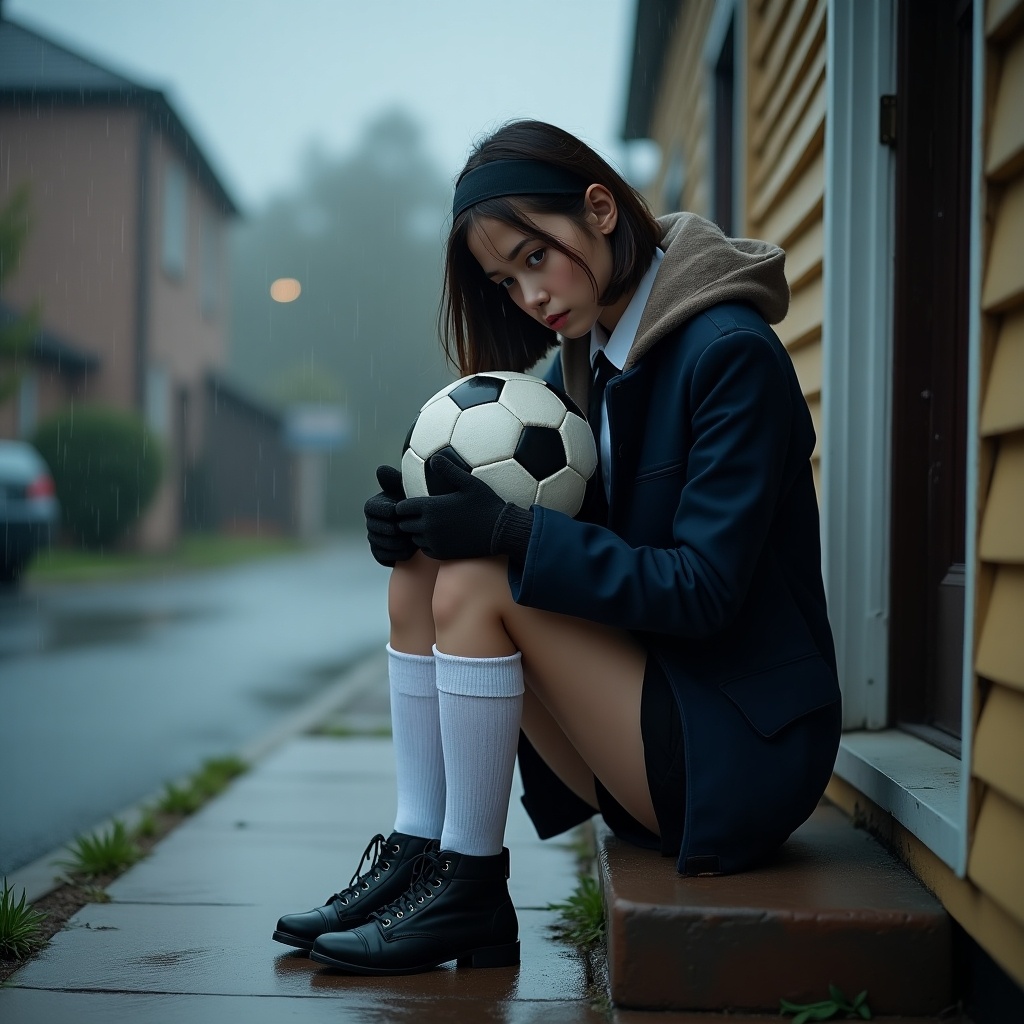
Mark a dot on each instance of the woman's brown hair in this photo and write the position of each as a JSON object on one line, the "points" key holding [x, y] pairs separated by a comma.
{"points": [[481, 328]]}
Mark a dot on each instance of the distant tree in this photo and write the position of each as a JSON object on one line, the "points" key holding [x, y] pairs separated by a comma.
{"points": [[363, 236], [16, 335]]}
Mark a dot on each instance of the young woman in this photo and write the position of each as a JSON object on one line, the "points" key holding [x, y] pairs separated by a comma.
{"points": [[664, 658]]}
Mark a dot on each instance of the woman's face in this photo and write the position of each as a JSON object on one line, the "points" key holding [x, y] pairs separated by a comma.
{"points": [[542, 281]]}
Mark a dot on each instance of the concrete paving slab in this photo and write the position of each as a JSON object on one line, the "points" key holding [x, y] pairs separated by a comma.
{"points": [[316, 806], [288, 873], [26, 1006], [118, 947], [187, 936]]}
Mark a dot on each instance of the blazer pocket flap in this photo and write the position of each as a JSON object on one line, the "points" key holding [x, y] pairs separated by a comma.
{"points": [[773, 699]]}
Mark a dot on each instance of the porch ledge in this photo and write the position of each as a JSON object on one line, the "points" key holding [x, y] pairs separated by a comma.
{"points": [[833, 906], [918, 784]]}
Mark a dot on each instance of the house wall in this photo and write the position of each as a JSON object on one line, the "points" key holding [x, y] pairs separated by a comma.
{"points": [[246, 479], [997, 849], [183, 340], [681, 118], [80, 256], [785, 58], [785, 181], [82, 263]]}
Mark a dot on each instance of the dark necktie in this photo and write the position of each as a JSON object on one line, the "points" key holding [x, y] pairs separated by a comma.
{"points": [[604, 370]]}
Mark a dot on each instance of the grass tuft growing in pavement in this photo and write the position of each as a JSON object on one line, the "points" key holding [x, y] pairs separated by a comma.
{"points": [[20, 926], [179, 799], [103, 853], [215, 774], [827, 1009], [581, 916], [212, 778]]}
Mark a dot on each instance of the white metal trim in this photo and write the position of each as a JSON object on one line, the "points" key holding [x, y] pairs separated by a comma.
{"points": [[915, 782], [974, 342], [857, 353]]}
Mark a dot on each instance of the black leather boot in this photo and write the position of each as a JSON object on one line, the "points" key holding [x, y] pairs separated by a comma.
{"points": [[457, 908], [390, 873]]}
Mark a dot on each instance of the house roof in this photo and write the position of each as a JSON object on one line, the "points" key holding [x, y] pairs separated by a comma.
{"points": [[48, 347], [35, 70], [224, 388], [655, 20]]}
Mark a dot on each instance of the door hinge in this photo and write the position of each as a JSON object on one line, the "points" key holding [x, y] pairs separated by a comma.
{"points": [[887, 120]]}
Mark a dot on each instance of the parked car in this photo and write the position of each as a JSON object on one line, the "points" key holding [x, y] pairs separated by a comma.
{"points": [[28, 507]]}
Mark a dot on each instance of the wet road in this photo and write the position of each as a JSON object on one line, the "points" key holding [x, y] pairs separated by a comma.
{"points": [[109, 691]]}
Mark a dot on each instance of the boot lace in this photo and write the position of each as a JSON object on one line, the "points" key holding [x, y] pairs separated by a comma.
{"points": [[423, 888], [359, 883]]}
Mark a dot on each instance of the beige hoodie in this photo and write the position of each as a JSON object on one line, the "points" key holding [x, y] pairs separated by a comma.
{"points": [[701, 268]]}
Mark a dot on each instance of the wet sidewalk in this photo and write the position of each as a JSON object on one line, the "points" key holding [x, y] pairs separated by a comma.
{"points": [[186, 934]]}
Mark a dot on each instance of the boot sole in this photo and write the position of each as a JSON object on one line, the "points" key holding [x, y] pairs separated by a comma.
{"points": [[486, 956], [294, 940]]}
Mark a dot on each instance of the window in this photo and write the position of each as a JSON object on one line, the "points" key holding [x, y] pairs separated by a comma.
{"points": [[158, 401], [723, 180], [175, 220], [933, 203], [209, 265], [869, 409]]}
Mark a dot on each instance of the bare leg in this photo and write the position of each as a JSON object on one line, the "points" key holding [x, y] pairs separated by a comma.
{"points": [[554, 747], [588, 677], [410, 592]]}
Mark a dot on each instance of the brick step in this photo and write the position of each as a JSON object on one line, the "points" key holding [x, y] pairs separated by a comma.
{"points": [[618, 1016], [834, 907]]}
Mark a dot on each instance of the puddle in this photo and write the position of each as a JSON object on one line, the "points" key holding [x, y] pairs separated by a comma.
{"points": [[64, 630]]}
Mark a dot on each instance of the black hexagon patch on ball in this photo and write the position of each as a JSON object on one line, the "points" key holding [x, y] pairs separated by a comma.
{"points": [[524, 438]]}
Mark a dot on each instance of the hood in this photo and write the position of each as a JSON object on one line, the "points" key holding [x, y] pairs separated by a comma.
{"points": [[702, 268]]}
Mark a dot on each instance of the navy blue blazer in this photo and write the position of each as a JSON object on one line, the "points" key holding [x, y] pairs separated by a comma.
{"points": [[710, 556]]}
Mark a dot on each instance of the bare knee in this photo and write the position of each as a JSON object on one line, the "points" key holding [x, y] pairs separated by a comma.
{"points": [[467, 606], [463, 588], [410, 591]]}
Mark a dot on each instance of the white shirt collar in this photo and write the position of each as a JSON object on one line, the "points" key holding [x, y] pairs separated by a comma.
{"points": [[617, 347]]}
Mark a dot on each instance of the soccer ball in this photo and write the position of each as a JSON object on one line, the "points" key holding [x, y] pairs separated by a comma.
{"points": [[524, 438]]}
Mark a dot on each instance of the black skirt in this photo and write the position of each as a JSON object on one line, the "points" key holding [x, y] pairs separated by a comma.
{"points": [[661, 729]]}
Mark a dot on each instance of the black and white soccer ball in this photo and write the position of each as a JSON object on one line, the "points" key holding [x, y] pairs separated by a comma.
{"points": [[524, 438]]}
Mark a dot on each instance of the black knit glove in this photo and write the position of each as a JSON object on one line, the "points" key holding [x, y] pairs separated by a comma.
{"points": [[388, 544], [470, 522]]}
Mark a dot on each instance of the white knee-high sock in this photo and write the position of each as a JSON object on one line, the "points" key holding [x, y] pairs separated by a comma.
{"points": [[419, 760], [480, 701]]}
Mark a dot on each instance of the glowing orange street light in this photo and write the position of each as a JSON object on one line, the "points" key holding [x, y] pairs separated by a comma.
{"points": [[285, 289]]}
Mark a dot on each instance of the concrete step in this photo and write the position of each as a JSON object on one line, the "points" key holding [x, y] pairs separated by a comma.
{"points": [[834, 907]]}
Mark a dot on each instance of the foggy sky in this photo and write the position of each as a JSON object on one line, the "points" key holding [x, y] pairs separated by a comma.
{"points": [[258, 81]]}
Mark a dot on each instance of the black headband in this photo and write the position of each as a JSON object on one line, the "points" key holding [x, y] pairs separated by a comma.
{"points": [[513, 178]]}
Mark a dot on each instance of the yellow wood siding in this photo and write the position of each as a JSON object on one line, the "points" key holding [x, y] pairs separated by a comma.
{"points": [[1004, 275], [786, 109], [681, 112], [998, 853], [997, 849], [1003, 408], [998, 751], [1005, 156]]}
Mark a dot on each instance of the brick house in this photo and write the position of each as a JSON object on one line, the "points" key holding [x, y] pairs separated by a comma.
{"points": [[127, 258]]}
